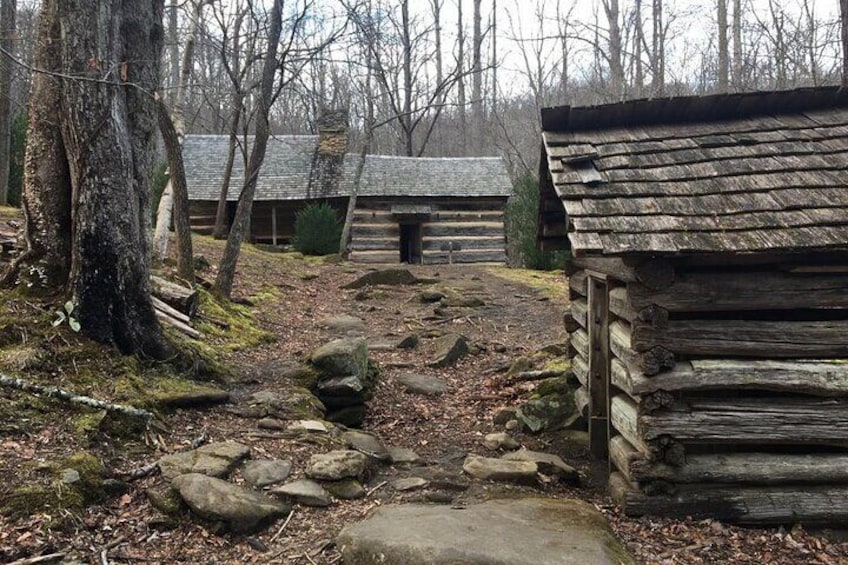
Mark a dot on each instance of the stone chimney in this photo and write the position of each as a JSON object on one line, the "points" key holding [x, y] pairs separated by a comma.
{"points": [[332, 132]]}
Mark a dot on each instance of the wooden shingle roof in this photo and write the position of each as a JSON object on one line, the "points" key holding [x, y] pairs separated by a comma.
{"points": [[287, 172], [729, 173]]}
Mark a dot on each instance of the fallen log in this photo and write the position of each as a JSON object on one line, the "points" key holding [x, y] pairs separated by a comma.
{"points": [[166, 318], [186, 300], [56, 392]]}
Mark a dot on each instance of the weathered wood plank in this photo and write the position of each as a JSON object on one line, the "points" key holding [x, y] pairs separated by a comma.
{"points": [[824, 377], [760, 421], [649, 362], [745, 468], [747, 290], [624, 417], [578, 283], [811, 505], [745, 338], [580, 342], [623, 456], [579, 310], [580, 368], [581, 401], [654, 274]]}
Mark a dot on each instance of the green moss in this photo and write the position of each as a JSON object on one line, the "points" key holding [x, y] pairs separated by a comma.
{"points": [[57, 495], [562, 365], [268, 293], [551, 283], [241, 331], [84, 425]]}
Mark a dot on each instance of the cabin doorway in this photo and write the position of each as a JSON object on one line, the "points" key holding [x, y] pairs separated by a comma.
{"points": [[410, 244], [599, 367]]}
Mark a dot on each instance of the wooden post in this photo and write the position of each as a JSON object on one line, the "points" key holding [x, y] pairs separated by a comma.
{"points": [[599, 367], [274, 225]]}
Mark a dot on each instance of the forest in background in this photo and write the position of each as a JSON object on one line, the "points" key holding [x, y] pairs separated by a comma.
{"points": [[463, 77]]}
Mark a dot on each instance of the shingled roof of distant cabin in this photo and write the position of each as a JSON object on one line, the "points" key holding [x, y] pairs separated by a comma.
{"points": [[763, 171], [287, 168]]}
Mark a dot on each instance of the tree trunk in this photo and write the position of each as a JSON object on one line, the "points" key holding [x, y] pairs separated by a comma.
{"points": [[460, 73], [173, 150], [46, 193], [843, 8], [723, 48], [638, 42], [227, 270], [406, 118], [616, 68], [737, 45], [477, 79], [99, 202], [8, 11]]}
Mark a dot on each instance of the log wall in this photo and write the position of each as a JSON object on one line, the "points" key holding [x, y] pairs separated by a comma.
{"points": [[728, 386], [476, 225]]}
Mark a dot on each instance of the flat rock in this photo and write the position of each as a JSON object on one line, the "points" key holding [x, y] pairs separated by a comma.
{"points": [[265, 472], [548, 463], [403, 455], [366, 443], [532, 531], [336, 465], [345, 325], [500, 440], [450, 348], [306, 492], [213, 460], [344, 391], [192, 397], [422, 384], [408, 341], [311, 426], [410, 483], [341, 358], [346, 489], [240, 509], [490, 469], [388, 277], [292, 403]]}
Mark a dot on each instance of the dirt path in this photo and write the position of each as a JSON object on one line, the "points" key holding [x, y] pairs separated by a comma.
{"points": [[522, 313]]}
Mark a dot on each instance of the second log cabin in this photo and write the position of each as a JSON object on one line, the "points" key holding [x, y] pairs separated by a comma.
{"points": [[709, 298], [409, 209]]}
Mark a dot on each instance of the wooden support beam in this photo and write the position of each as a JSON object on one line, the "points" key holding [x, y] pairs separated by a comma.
{"points": [[746, 338], [648, 362], [757, 421], [828, 378], [597, 318], [745, 291], [745, 468], [274, 226], [812, 505]]}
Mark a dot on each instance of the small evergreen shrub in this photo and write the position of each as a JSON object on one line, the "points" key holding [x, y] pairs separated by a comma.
{"points": [[522, 216], [317, 230]]}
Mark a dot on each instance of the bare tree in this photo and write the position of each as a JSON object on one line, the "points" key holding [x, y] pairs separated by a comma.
{"points": [[843, 10], [657, 49], [614, 56], [737, 45], [460, 85], [723, 47], [8, 10], [477, 78]]}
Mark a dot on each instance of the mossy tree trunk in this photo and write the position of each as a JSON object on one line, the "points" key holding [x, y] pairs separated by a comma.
{"points": [[90, 156]]}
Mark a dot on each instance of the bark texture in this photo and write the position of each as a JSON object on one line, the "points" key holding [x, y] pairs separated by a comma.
{"points": [[8, 9], [89, 163]]}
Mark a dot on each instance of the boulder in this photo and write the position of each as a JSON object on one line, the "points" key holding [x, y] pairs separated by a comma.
{"points": [[214, 460], [308, 426], [504, 415], [264, 472], [408, 341], [430, 295], [548, 463], [346, 489], [336, 465], [239, 509], [500, 440], [388, 277], [338, 392], [422, 384], [489, 469], [531, 531], [306, 492], [341, 358], [547, 413], [449, 349], [366, 443], [455, 299]]}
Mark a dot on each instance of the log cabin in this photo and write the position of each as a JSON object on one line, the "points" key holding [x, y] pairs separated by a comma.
{"points": [[708, 279], [410, 210]]}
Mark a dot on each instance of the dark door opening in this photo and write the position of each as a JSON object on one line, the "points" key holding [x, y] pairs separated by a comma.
{"points": [[410, 243], [231, 213]]}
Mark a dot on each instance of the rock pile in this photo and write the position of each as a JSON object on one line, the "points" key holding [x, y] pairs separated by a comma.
{"points": [[345, 379]]}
